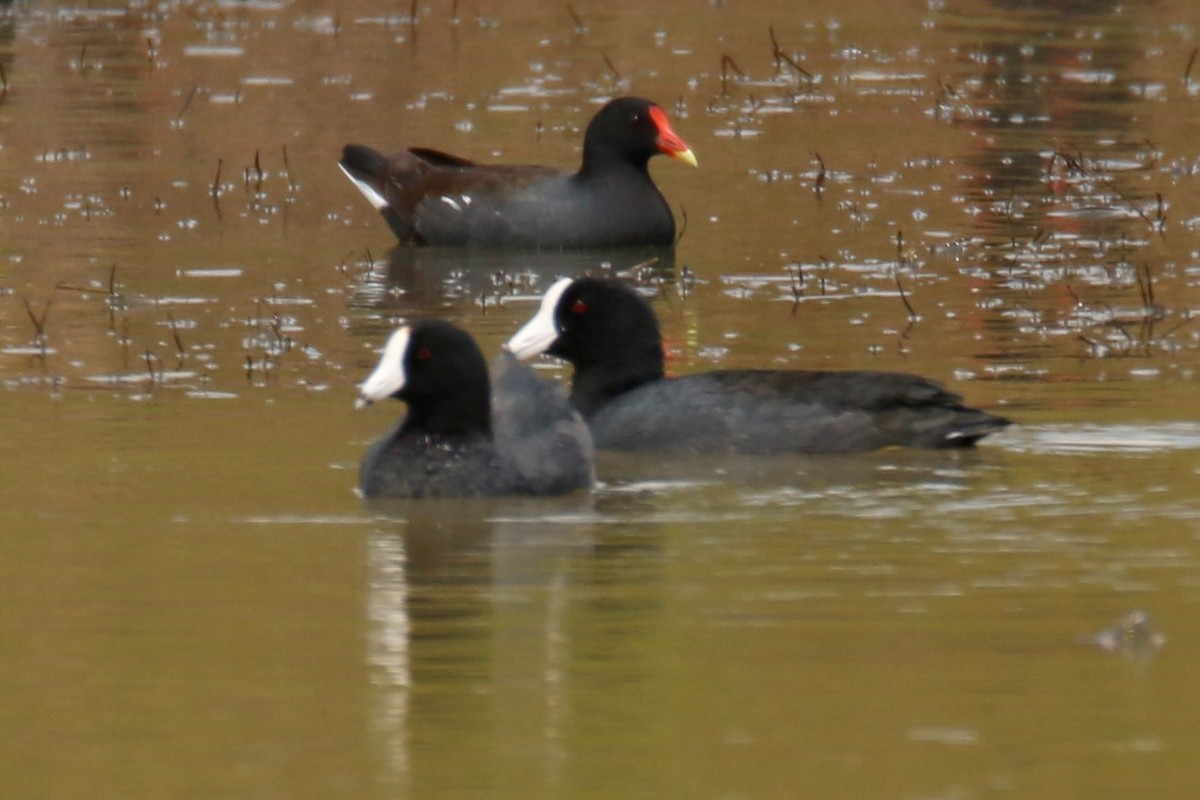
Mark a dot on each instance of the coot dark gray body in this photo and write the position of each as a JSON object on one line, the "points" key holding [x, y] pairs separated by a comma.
{"points": [[455, 441], [611, 336]]}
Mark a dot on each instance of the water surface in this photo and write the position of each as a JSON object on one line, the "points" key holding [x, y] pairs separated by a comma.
{"points": [[195, 602]]}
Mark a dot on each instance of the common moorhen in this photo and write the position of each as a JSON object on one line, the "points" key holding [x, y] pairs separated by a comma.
{"points": [[611, 336], [457, 440], [430, 197]]}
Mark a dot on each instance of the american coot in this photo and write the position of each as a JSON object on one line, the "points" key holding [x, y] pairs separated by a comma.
{"points": [[430, 197], [611, 336], [447, 445]]}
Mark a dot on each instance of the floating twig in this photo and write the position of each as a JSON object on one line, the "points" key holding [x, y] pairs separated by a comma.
{"points": [[580, 26], [902, 261], [216, 183], [727, 64], [179, 348], [257, 172], [797, 277], [1146, 287], [781, 57], [215, 189], [112, 280], [1187, 72], [149, 366], [819, 183], [1095, 346], [682, 228], [1159, 222], [413, 29], [287, 171], [1172, 330], [687, 281], [186, 104], [1074, 163], [39, 320], [612, 68]]}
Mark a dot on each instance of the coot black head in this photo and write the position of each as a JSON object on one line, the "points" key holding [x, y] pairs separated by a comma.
{"points": [[604, 328], [439, 372]]}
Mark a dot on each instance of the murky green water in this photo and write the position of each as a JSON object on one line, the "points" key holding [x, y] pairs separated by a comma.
{"points": [[194, 603]]}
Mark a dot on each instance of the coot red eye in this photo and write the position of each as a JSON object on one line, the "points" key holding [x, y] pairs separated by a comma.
{"points": [[578, 307], [424, 354]]}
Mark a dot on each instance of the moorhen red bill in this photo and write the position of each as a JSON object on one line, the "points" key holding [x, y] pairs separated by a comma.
{"points": [[432, 198]]}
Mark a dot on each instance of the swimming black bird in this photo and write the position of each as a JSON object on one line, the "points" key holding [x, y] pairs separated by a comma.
{"points": [[611, 336], [456, 439], [433, 198]]}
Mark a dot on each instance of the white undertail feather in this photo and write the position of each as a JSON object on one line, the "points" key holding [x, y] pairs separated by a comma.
{"points": [[378, 201]]}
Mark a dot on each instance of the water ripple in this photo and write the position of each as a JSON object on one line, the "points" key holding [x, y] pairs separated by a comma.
{"points": [[1104, 439]]}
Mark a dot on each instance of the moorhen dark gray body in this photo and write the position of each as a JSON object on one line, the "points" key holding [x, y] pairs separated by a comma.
{"points": [[432, 198], [457, 440], [611, 336]]}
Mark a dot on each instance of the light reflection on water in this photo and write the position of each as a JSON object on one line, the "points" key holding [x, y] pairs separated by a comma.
{"points": [[1105, 440]]}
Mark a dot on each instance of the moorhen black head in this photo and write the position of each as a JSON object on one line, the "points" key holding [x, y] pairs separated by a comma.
{"points": [[434, 198]]}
